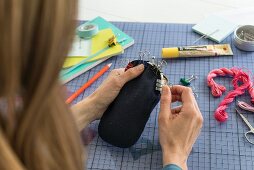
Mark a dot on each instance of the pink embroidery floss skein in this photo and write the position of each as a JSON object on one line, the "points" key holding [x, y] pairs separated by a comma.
{"points": [[239, 77]]}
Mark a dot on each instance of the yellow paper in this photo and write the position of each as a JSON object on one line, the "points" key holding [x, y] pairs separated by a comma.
{"points": [[99, 42], [71, 61]]}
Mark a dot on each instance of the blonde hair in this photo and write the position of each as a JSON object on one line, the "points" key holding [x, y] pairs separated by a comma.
{"points": [[37, 130]]}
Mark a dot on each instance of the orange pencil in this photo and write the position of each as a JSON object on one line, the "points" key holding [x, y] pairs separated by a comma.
{"points": [[86, 85]]}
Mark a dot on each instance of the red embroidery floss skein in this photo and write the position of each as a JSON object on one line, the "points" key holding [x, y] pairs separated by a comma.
{"points": [[241, 82]]}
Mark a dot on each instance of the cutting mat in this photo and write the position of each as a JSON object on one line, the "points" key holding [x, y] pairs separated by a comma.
{"points": [[219, 146]]}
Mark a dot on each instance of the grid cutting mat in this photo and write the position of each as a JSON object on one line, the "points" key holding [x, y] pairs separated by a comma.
{"points": [[219, 146]]}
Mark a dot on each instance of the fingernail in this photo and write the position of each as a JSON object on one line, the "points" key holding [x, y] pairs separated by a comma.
{"points": [[140, 67]]}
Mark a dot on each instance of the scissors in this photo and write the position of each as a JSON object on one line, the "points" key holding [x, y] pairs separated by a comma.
{"points": [[251, 132]]}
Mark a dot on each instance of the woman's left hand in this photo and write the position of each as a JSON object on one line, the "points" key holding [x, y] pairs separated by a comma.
{"points": [[93, 107], [110, 88]]}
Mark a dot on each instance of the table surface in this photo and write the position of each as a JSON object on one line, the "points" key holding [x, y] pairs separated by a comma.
{"points": [[166, 11], [219, 146]]}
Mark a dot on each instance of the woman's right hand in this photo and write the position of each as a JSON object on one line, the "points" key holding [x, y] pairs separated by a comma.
{"points": [[178, 127]]}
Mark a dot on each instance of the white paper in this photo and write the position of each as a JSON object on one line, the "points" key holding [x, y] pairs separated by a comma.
{"points": [[80, 47]]}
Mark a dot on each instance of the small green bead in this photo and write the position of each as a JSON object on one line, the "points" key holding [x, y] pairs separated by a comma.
{"points": [[184, 82]]}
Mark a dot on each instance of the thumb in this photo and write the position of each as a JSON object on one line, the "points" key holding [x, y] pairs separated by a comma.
{"points": [[165, 103], [132, 73]]}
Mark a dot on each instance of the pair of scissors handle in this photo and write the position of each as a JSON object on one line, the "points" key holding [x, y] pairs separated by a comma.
{"points": [[251, 132]]}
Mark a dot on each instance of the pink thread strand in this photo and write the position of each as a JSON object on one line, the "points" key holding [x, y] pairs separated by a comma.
{"points": [[245, 106], [239, 77]]}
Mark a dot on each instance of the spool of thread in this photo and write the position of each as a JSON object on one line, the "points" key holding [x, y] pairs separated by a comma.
{"points": [[244, 37], [87, 30], [241, 82]]}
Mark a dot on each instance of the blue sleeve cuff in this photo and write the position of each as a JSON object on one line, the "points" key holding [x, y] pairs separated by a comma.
{"points": [[171, 167]]}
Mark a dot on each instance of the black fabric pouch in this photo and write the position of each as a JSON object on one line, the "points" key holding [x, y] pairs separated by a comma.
{"points": [[123, 122]]}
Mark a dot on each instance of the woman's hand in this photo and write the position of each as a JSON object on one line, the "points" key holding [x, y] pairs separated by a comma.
{"points": [[111, 87], [95, 105], [178, 127]]}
